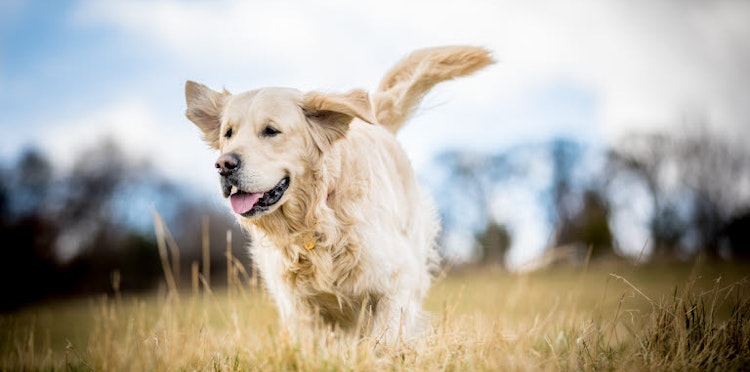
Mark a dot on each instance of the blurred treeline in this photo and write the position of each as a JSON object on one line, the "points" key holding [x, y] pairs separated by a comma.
{"points": [[88, 228], [688, 190]]}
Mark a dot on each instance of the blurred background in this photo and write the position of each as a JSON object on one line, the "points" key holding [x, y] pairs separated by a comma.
{"points": [[605, 131]]}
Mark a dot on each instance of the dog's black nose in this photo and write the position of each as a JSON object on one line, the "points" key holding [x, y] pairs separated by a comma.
{"points": [[227, 164]]}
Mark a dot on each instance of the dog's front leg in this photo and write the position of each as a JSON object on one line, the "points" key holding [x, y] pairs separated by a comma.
{"points": [[395, 320]]}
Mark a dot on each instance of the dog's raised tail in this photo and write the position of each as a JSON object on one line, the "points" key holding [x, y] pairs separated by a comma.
{"points": [[404, 86]]}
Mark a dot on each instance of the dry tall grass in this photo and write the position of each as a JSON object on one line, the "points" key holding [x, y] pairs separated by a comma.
{"points": [[610, 316]]}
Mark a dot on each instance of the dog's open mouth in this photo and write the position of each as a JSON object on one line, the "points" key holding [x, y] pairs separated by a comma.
{"points": [[251, 204]]}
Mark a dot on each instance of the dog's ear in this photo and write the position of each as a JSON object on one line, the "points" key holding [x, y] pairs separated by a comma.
{"points": [[331, 114], [204, 108]]}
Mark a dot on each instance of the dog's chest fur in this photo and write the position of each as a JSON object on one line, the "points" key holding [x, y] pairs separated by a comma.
{"points": [[327, 281]]}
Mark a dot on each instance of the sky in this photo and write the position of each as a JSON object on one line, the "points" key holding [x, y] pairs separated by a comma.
{"points": [[593, 71]]}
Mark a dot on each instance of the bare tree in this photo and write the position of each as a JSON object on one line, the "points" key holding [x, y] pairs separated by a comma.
{"points": [[717, 174], [647, 158], [468, 190], [494, 243], [92, 211], [565, 155], [698, 181]]}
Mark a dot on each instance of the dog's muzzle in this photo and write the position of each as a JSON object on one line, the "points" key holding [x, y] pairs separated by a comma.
{"points": [[250, 204]]}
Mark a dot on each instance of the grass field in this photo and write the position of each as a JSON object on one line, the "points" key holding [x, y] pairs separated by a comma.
{"points": [[607, 316]]}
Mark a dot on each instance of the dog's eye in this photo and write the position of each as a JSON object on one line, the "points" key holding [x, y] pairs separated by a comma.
{"points": [[228, 134], [270, 131]]}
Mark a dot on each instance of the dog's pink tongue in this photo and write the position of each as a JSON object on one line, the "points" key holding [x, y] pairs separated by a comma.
{"points": [[243, 202]]}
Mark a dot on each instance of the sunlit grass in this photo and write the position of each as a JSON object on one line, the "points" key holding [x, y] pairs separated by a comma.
{"points": [[608, 315]]}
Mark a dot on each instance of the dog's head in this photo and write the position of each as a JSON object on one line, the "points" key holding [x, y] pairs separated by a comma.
{"points": [[268, 138]]}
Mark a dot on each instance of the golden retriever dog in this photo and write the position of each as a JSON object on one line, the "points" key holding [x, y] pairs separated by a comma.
{"points": [[341, 232]]}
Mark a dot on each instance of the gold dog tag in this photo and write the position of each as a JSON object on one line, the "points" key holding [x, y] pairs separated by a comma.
{"points": [[309, 243]]}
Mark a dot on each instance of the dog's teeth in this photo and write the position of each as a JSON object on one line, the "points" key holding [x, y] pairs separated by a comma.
{"points": [[234, 190]]}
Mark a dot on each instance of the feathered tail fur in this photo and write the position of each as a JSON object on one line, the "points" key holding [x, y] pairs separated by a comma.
{"points": [[404, 86]]}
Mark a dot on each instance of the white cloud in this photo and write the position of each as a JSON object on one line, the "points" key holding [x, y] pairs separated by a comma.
{"points": [[126, 122], [646, 62]]}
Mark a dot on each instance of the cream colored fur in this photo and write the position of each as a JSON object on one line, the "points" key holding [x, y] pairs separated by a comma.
{"points": [[352, 192]]}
